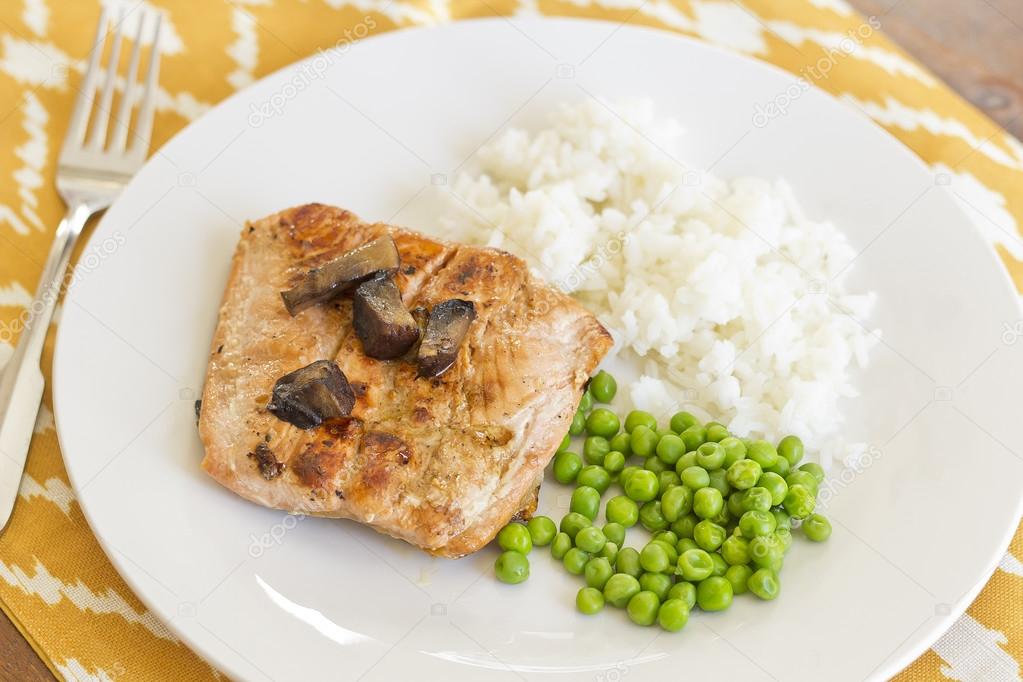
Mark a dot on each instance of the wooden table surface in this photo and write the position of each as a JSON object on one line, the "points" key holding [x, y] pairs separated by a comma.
{"points": [[976, 46]]}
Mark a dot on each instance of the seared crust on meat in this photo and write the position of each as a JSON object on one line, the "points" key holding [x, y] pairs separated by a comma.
{"points": [[443, 462]]}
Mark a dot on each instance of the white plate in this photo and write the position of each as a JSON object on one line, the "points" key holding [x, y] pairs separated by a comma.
{"points": [[261, 594]]}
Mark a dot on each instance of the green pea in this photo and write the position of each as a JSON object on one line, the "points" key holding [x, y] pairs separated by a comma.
{"points": [[685, 544], [515, 538], [560, 545], [723, 517], [757, 499], [695, 565], [586, 402], [716, 432], [762, 452], [764, 583], [614, 532], [676, 502], [681, 421], [572, 523], [542, 530], [783, 519], [589, 600], [815, 470], [735, 550], [816, 528], [673, 615], [595, 448], [511, 567], [685, 461], [623, 510], [626, 473], [653, 463], [610, 552], [736, 502], [585, 501], [578, 423], [651, 517], [784, 536], [719, 481], [695, 478], [739, 575], [597, 572], [734, 449], [684, 592], [575, 561], [775, 486], [757, 523], [710, 456], [720, 565], [799, 502], [620, 588], [714, 594], [685, 525], [602, 422], [666, 480], [603, 387], [709, 535], [669, 448], [694, 437], [654, 558], [566, 467], [590, 540], [658, 583], [791, 448], [803, 478], [628, 562], [665, 536], [622, 443], [767, 551], [643, 441], [642, 486], [614, 462], [639, 418], [594, 476], [708, 502], [781, 467], [642, 608], [566, 443], [744, 474]]}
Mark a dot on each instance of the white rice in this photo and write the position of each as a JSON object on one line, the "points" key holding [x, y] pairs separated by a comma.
{"points": [[727, 295]]}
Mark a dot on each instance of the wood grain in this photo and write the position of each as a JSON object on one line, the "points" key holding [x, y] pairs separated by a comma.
{"points": [[18, 661], [976, 46]]}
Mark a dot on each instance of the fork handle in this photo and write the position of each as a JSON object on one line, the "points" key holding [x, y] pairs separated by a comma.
{"points": [[21, 384]]}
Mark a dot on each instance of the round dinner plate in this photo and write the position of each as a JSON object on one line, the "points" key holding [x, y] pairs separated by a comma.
{"points": [[380, 127]]}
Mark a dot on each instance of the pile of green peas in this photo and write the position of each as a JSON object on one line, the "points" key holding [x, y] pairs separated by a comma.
{"points": [[720, 510]]}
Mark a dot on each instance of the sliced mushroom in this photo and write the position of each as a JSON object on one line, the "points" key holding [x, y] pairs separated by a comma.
{"points": [[327, 281], [310, 395], [445, 330], [387, 330]]}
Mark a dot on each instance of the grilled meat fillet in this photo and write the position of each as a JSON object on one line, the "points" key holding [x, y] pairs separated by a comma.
{"points": [[441, 462]]}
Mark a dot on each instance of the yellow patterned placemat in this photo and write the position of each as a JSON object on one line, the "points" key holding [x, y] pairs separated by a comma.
{"points": [[55, 582]]}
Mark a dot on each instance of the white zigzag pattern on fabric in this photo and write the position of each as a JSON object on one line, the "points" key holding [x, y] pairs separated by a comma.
{"points": [[52, 591], [54, 490], [972, 652]]}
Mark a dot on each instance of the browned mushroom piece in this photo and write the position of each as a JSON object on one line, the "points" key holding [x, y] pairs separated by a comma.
{"points": [[387, 330], [331, 279], [309, 396], [445, 330]]}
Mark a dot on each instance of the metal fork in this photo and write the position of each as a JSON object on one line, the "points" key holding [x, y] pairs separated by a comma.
{"points": [[93, 168]]}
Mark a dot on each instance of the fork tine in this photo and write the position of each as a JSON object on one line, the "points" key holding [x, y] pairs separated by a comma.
{"points": [[145, 115], [83, 103], [123, 119], [101, 117]]}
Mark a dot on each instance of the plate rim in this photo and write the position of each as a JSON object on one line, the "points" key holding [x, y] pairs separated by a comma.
{"points": [[886, 669]]}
